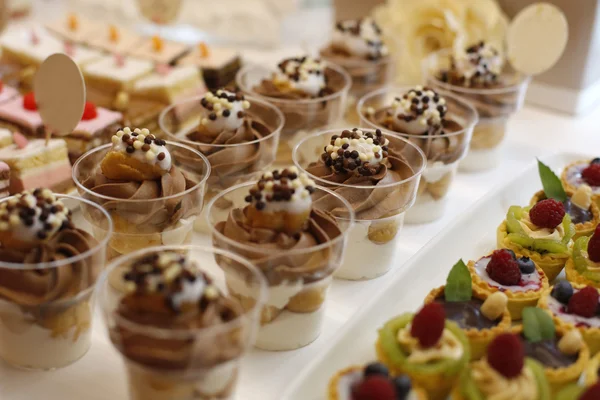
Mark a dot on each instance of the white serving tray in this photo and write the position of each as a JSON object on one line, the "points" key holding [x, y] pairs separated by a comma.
{"points": [[471, 235]]}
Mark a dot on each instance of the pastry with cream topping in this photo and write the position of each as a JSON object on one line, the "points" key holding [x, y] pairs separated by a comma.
{"points": [[431, 350], [480, 74], [481, 317], [584, 265], [372, 381], [574, 306], [180, 335], [543, 232], [358, 47], [441, 125], [505, 373], [378, 175], [580, 173], [518, 277], [297, 246], [48, 268], [153, 190], [562, 353]]}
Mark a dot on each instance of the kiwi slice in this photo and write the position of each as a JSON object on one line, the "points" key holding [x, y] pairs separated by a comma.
{"points": [[569, 229], [521, 239], [549, 246], [513, 216], [581, 261]]}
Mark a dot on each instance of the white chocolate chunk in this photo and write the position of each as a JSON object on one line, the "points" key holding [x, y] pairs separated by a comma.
{"points": [[582, 197], [494, 306], [571, 342]]}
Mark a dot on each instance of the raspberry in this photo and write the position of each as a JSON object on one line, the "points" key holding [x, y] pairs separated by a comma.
{"points": [[428, 325], [89, 112], [29, 102], [547, 213], [591, 175], [374, 387], [506, 355], [503, 268], [594, 246], [584, 302], [592, 393]]}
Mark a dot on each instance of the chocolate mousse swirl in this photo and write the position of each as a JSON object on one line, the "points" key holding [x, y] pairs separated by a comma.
{"points": [[358, 165], [169, 292]]}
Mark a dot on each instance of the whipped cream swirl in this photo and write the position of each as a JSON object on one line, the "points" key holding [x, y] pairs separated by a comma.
{"points": [[536, 232], [223, 111], [304, 74], [447, 348], [494, 386], [361, 38], [479, 64]]}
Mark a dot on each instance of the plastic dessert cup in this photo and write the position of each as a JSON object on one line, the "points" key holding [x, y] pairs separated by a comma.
{"points": [[373, 239], [495, 106], [50, 327], [231, 163], [298, 279], [302, 116], [442, 158], [201, 362], [141, 221]]}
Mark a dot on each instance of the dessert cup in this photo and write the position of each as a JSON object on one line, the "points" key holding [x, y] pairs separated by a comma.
{"points": [[379, 208], [298, 277], [494, 105], [443, 153], [232, 159], [143, 217], [302, 116], [169, 354], [46, 307]]}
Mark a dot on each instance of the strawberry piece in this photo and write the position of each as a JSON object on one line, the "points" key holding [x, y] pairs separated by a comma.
{"points": [[29, 102], [594, 246], [374, 387], [591, 175], [506, 355], [592, 393], [89, 112], [584, 302], [503, 268], [428, 325], [547, 213]]}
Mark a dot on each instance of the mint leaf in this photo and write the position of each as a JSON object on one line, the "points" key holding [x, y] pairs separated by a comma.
{"points": [[458, 283], [537, 325], [553, 188]]}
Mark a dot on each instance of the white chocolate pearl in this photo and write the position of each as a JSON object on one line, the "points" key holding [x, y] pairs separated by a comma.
{"points": [[137, 145], [493, 307], [571, 342], [150, 155], [116, 139]]}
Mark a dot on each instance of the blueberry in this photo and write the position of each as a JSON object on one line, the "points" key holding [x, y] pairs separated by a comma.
{"points": [[526, 265], [512, 253], [403, 386], [562, 291], [595, 161], [376, 369]]}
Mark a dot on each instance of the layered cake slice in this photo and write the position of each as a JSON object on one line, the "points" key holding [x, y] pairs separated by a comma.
{"points": [[5, 137], [4, 179], [169, 84], [7, 92], [114, 39], [218, 64], [73, 28], [35, 164], [159, 50], [21, 114], [25, 47]]}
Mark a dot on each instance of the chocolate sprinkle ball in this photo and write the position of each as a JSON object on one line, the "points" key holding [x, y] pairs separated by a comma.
{"points": [[33, 216], [282, 186], [422, 104], [368, 30], [174, 277], [220, 102], [357, 152], [143, 141], [479, 65], [298, 68]]}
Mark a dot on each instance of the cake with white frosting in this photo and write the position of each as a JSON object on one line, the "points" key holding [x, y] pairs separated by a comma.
{"points": [[159, 50], [218, 65]]}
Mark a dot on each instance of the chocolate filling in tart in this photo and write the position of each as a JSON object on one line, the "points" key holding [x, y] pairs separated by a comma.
{"points": [[467, 314], [547, 352]]}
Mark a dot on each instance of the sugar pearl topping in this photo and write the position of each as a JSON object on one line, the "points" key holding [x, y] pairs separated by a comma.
{"points": [[360, 38], [144, 146], [479, 63], [223, 111], [305, 74], [172, 275], [422, 105], [34, 216], [356, 151], [285, 190]]}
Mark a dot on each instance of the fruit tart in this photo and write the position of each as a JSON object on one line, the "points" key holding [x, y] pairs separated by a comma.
{"points": [[592, 371], [584, 266], [518, 277], [576, 392], [542, 232], [425, 346], [505, 373], [584, 172], [563, 354], [575, 306], [481, 317], [372, 381], [584, 213]]}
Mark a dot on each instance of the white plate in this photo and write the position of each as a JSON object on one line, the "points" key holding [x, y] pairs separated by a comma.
{"points": [[472, 235]]}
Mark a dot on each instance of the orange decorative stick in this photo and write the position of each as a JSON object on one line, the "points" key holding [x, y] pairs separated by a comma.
{"points": [[204, 50], [73, 22], [157, 43], [113, 33]]}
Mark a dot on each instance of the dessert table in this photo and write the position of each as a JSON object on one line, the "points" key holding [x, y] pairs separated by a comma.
{"points": [[532, 132]]}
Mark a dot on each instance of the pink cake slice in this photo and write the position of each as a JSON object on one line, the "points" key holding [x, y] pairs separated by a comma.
{"points": [[90, 133], [28, 121], [7, 93]]}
